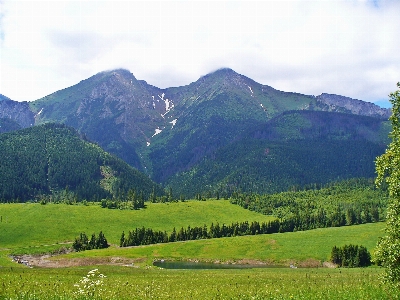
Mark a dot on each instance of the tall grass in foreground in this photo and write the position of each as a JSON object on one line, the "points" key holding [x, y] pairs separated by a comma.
{"points": [[153, 283]]}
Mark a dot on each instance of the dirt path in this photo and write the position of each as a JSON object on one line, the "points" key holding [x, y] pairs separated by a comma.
{"points": [[49, 261]]}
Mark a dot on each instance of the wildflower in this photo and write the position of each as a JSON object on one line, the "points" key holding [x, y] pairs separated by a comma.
{"points": [[90, 284]]}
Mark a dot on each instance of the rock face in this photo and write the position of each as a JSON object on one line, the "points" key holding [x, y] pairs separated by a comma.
{"points": [[354, 106], [16, 111]]}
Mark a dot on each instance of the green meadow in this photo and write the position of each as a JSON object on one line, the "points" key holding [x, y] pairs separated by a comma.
{"points": [[153, 283], [304, 248], [34, 228], [31, 224]]}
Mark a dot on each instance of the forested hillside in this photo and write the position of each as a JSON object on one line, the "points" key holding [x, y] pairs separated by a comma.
{"points": [[295, 149], [49, 160], [348, 202]]}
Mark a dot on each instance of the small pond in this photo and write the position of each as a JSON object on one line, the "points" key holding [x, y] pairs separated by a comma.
{"points": [[204, 265]]}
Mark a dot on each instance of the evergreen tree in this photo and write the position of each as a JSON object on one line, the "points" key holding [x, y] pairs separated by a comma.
{"points": [[101, 242]]}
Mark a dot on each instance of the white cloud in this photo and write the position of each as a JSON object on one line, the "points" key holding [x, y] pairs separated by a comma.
{"points": [[342, 47]]}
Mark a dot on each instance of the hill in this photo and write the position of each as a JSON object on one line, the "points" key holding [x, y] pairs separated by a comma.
{"points": [[69, 220], [52, 161]]}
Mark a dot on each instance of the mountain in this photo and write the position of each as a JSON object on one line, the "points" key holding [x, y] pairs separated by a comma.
{"points": [[52, 158], [176, 134], [112, 108]]}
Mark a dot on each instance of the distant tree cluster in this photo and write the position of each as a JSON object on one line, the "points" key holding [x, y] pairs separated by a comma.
{"points": [[352, 256], [135, 200], [82, 242], [349, 202], [132, 200], [147, 236]]}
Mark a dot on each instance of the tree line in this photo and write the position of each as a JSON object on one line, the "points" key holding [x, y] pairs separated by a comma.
{"points": [[147, 236]]}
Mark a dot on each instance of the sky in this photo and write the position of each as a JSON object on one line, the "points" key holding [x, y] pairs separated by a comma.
{"points": [[347, 47]]}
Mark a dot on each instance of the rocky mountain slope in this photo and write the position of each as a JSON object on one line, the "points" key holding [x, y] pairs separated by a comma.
{"points": [[354, 106], [18, 112]]}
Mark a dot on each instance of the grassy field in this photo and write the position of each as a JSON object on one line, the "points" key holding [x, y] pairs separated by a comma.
{"points": [[152, 283], [30, 227], [305, 248]]}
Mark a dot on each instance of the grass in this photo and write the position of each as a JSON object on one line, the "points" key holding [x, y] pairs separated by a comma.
{"points": [[27, 225], [32, 225], [304, 248], [153, 283]]}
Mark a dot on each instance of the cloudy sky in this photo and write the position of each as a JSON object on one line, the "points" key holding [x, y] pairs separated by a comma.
{"points": [[348, 47]]}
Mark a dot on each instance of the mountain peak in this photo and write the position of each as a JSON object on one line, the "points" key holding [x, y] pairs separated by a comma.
{"points": [[224, 72], [122, 74], [227, 78]]}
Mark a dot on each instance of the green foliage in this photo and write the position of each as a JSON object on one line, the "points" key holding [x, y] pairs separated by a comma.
{"points": [[52, 163], [352, 256], [388, 171]]}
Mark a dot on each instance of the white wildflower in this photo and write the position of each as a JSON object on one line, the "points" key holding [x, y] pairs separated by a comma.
{"points": [[90, 285]]}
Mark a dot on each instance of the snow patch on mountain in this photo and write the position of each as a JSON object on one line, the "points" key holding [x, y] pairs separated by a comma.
{"points": [[158, 130], [173, 122], [168, 104], [251, 91]]}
